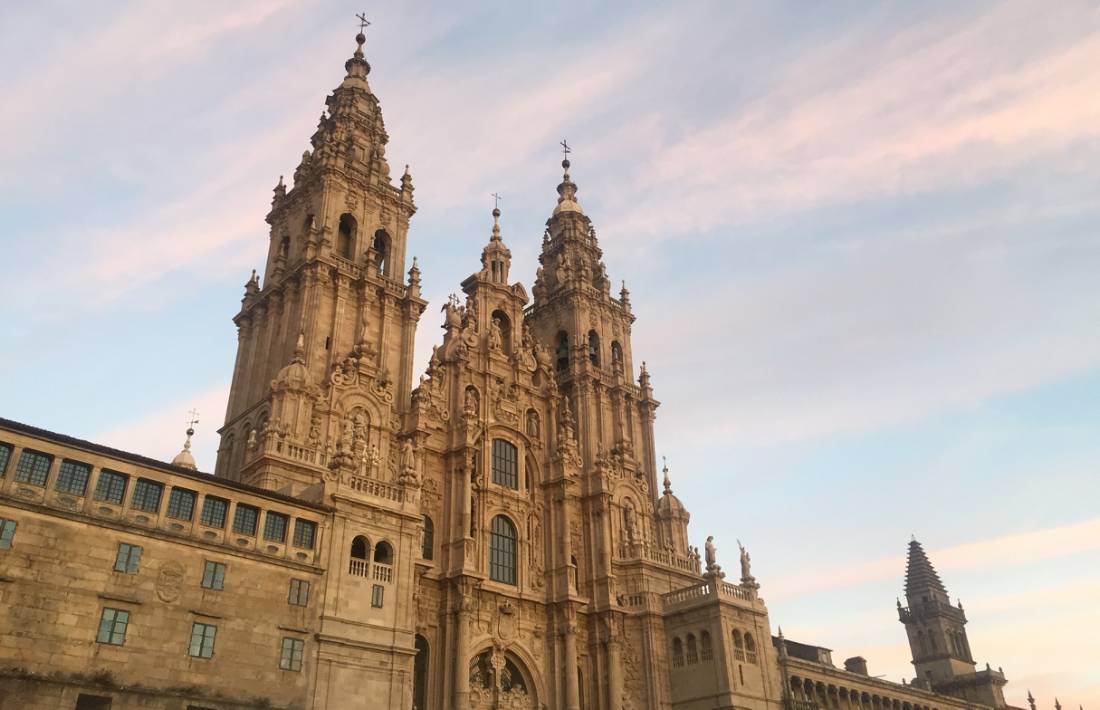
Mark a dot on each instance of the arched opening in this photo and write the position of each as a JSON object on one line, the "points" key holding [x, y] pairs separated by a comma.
{"points": [[345, 237], [706, 650], [359, 559], [383, 553], [692, 650], [561, 351], [499, 679], [503, 325], [284, 248], [677, 653], [594, 348], [750, 648], [505, 464], [360, 547], [420, 674], [502, 551], [616, 355], [427, 542], [382, 250]]}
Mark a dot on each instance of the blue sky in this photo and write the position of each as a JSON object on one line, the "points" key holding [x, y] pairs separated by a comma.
{"points": [[861, 240]]}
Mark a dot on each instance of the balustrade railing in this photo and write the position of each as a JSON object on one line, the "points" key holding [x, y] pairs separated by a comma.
{"points": [[380, 489], [638, 550], [358, 567], [383, 573]]}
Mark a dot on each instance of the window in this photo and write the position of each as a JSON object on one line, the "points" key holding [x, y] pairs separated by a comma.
{"points": [[72, 477], [128, 558], [561, 352], [383, 553], [291, 660], [110, 487], [213, 512], [376, 593], [593, 348], [299, 592], [112, 626], [202, 640], [245, 519], [345, 239], [502, 551], [692, 650], [93, 702], [7, 532], [428, 541], [181, 504], [504, 464], [146, 495], [305, 533], [275, 527], [677, 653], [5, 456], [213, 575], [706, 650], [33, 468]]}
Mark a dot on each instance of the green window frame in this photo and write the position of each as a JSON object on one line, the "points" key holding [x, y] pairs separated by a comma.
{"points": [[181, 504], [214, 511], [146, 496], [213, 575], [5, 456], [505, 464], [112, 626], [202, 640], [128, 558], [72, 477], [293, 650], [299, 592], [502, 550], [111, 486], [377, 594], [7, 533], [245, 519], [275, 525], [33, 468], [305, 534]]}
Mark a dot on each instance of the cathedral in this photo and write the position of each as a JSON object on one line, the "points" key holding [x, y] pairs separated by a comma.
{"points": [[494, 532]]}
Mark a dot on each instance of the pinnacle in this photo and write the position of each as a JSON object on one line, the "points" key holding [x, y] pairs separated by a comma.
{"points": [[920, 575]]}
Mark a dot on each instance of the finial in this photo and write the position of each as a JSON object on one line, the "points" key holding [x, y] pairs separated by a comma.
{"points": [[1030, 699], [780, 633], [360, 65], [184, 459], [667, 480], [898, 600], [361, 38], [1057, 705], [565, 151], [415, 265]]}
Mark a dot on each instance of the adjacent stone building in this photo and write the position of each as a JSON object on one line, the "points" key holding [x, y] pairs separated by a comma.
{"points": [[496, 534]]}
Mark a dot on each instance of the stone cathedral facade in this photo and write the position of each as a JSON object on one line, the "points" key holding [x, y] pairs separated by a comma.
{"points": [[495, 532]]}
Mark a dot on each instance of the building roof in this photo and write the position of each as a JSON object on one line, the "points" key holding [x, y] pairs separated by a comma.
{"points": [[920, 575], [140, 460]]}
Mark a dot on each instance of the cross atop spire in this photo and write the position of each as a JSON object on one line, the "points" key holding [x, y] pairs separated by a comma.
{"points": [[364, 23]]}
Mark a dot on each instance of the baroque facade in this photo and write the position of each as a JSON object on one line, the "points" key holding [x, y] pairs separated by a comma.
{"points": [[498, 534]]}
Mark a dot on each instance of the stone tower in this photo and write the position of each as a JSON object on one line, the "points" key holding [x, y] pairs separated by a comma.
{"points": [[937, 636], [333, 315]]}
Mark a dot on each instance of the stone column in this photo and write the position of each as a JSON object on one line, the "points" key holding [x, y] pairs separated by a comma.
{"points": [[462, 641], [572, 691], [614, 674]]}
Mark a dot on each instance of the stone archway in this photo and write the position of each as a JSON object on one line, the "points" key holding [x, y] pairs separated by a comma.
{"points": [[500, 681]]}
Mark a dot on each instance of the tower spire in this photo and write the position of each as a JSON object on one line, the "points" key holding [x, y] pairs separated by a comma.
{"points": [[920, 575]]}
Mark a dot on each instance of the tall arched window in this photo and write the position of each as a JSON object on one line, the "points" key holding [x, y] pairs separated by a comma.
{"points": [[359, 559], [692, 650], [616, 353], [593, 348], [420, 674], [505, 464], [427, 543], [502, 551], [382, 247], [706, 650], [345, 238], [561, 351], [383, 553], [738, 642], [359, 547], [677, 653]]}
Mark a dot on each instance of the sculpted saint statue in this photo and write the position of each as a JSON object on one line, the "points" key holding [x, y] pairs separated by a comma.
{"points": [[709, 549], [746, 562]]}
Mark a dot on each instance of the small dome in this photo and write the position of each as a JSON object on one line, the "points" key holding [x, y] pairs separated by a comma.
{"points": [[184, 459], [669, 504], [295, 375]]}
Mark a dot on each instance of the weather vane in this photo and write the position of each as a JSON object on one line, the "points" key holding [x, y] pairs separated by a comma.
{"points": [[496, 200], [194, 414], [565, 149], [363, 21]]}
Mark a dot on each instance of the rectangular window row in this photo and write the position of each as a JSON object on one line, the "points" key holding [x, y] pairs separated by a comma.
{"points": [[113, 624], [33, 468]]}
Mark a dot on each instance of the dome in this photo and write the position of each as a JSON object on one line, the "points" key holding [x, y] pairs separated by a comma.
{"points": [[669, 504], [184, 459], [295, 375]]}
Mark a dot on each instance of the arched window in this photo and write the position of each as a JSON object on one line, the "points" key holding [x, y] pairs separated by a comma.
{"points": [[594, 348], [503, 323], [706, 651], [428, 541], [420, 674], [738, 642], [345, 238], [692, 650], [616, 353], [359, 561], [359, 547], [561, 351], [677, 653], [750, 645], [505, 464], [502, 551], [382, 249], [383, 553]]}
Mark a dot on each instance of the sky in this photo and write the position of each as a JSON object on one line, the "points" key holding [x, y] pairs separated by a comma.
{"points": [[862, 242]]}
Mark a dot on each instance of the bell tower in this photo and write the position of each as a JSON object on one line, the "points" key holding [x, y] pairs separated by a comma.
{"points": [[333, 313]]}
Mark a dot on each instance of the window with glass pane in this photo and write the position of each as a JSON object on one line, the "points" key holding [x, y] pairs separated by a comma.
{"points": [[202, 640], [377, 593], [428, 542], [275, 527], [213, 575], [305, 532], [299, 592], [504, 464], [502, 551], [245, 519], [128, 558], [5, 456], [110, 487], [33, 468], [146, 495], [7, 532], [112, 626], [72, 477], [181, 504], [213, 512], [291, 660]]}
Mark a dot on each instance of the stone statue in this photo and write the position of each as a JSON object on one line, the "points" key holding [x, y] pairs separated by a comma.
{"points": [[408, 459], [628, 521], [532, 423], [710, 550], [746, 563], [495, 339], [471, 405]]}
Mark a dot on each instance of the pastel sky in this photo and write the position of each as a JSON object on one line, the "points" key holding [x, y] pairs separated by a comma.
{"points": [[862, 241]]}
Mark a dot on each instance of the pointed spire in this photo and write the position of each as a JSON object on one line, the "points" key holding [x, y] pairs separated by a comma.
{"points": [[1057, 705], [920, 576], [1030, 699], [624, 297]]}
